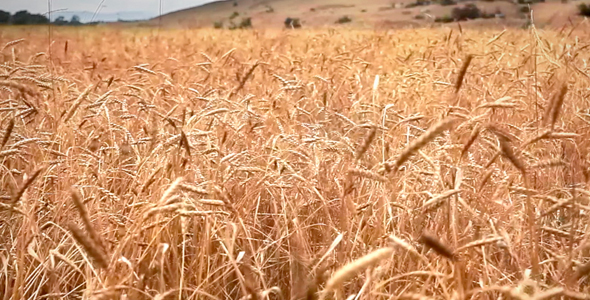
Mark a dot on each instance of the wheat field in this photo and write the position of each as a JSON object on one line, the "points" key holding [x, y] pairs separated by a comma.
{"points": [[322, 164]]}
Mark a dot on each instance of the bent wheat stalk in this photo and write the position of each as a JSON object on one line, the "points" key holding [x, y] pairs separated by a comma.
{"points": [[418, 143], [350, 270]]}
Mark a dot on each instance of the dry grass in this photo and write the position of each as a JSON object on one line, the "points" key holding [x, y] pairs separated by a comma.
{"points": [[285, 165]]}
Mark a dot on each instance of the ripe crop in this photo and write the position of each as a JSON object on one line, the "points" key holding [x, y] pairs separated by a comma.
{"points": [[212, 164]]}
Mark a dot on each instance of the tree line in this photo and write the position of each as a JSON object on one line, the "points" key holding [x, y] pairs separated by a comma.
{"points": [[23, 17]]}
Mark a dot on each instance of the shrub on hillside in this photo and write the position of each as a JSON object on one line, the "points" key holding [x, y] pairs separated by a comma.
{"points": [[412, 5], [525, 9], [234, 15], [292, 23], [344, 19], [584, 9], [246, 23], [218, 25], [447, 2], [444, 19], [419, 3], [468, 12], [485, 15]]}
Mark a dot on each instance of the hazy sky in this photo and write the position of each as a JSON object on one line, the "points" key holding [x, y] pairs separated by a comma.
{"points": [[40, 6]]}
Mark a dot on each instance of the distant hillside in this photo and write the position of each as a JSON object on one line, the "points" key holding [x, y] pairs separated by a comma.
{"points": [[365, 13], [86, 16]]}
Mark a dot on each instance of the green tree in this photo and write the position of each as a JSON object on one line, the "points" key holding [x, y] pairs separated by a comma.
{"points": [[61, 20], [75, 20], [4, 17], [23, 17], [38, 19]]}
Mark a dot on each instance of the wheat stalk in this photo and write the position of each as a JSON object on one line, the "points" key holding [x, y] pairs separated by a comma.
{"points": [[436, 201], [81, 207], [472, 137], [554, 107], [351, 269], [421, 141], [7, 133], [481, 242], [93, 250], [435, 244], [366, 143], [17, 196], [462, 73], [77, 103], [367, 174], [12, 44]]}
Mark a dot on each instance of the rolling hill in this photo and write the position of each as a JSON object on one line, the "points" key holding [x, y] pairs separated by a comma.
{"points": [[361, 14]]}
